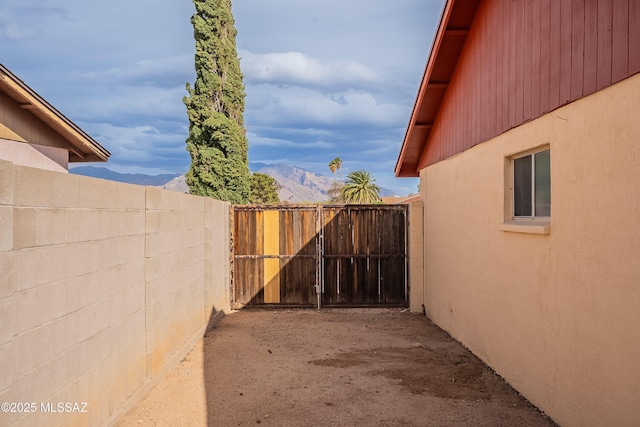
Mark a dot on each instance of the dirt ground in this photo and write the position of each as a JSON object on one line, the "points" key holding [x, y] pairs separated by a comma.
{"points": [[336, 367]]}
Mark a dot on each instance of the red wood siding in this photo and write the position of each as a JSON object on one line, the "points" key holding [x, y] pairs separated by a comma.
{"points": [[524, 58]]}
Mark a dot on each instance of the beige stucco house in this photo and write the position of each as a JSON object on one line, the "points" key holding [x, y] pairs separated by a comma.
{"points": [[526, 136], [33, 133]]}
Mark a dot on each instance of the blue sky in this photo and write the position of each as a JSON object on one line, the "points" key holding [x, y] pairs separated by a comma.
{"points": [[324, 78]]}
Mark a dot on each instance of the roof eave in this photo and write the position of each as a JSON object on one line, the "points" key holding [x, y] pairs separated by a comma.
{"points": [[442, 59], [403, 168], [86, 148]]}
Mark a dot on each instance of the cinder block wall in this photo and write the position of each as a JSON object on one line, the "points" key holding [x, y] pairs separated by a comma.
{"points": [[103, 286]]}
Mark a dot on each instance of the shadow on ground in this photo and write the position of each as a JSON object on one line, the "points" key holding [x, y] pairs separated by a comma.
{"points": [[336, 367], [380, 367]]}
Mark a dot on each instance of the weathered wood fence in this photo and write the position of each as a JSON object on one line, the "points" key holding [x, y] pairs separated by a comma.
{"points": [[351, 255]]}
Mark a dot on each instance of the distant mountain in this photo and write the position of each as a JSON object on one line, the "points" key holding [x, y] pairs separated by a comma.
{"points": [[299, 185], [178, 184], [130, 178]]}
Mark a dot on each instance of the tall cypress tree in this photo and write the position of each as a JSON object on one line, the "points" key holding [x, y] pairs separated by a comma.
{"points": [[217, 138]]}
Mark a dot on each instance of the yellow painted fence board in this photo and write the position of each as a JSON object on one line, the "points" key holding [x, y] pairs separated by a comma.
{"points": [[271, 265]]}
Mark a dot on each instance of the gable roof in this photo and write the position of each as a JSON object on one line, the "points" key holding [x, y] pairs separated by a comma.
{"points": [[85, 148], [454, 26]]}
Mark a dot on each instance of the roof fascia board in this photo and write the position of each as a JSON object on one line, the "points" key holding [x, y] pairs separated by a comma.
{"points": [[435, 48]]}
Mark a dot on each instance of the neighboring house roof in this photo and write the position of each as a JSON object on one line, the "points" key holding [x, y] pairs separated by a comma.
{"points": [[85, 148], [453, 29], [401, 200]]}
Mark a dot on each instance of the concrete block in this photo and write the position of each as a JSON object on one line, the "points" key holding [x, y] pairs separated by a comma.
{"points": [[89, 191], [158, 288], [80, 291], [65, 191], [102, 346], [52, 377], [160, 243], [7, 183], [153, 198], [123, 304], [35, 187], [40, 305], [130, 354], [111, 192], [51, 227], [7, 226], [91, 320], [7, 418], [39, 266], [131, 196], [83, 258], [157, 316], [7, 319], [35, 348], [130, 328], [162, 221], [85, 225], [216, 211], [8, 365], [25, 386], [79, 365], [136, 374], [209, 249], [126, 223], [117, 195], [164, 264], [24, 228], [129, 275], [7, 274], [121, 250], [159, 199], [65, 334], [74, 391]]}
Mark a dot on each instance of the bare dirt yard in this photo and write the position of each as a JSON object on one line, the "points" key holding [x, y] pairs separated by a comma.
{"points": [[336, 367]]}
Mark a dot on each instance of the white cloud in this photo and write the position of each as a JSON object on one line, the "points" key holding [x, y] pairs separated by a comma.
{"points": [[148, 71], [306, 107], [124, 105], [263, 141], [144, 146], [295, 68], [15, 33]]}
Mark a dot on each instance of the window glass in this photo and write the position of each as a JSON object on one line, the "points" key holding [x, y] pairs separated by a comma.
{"points": [[542, 183], [522, 186]]}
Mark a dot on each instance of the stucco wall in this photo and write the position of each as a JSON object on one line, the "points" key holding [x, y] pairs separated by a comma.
{"points": [[36, 156], [27, 126], [557, 315], [416, 259], [103, 286]]}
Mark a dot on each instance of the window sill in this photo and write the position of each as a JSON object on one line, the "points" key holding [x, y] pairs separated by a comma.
{"points": [[528, 227]]}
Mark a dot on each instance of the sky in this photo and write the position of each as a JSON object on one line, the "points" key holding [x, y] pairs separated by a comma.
{"points": [[323, 78]]}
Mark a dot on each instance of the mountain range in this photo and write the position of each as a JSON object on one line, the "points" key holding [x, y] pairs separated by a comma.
{"points": [[297, 185], [130, 178]]}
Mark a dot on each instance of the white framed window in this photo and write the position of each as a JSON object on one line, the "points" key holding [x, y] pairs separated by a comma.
{"points": [[527, 191], [531, 195]]}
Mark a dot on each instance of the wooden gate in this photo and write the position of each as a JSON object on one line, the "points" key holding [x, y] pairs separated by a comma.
{"points": [[348, 255]]}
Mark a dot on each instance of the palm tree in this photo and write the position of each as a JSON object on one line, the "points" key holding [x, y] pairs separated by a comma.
{"points": [[338, 163], [360, 188], [333, 166]]}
